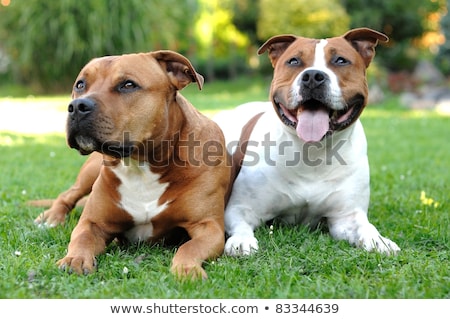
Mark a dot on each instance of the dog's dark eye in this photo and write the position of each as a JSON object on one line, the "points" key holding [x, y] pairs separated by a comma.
{"points": [[338, 60], [293, 61], [80, 85], [127, 86]]}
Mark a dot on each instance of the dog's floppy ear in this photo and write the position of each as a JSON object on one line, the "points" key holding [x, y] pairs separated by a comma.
{"points": [[364, 40], [276, 46], [179, 68]]}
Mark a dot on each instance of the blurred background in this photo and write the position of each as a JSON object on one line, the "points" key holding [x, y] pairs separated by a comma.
{"points": [[44, 44]]}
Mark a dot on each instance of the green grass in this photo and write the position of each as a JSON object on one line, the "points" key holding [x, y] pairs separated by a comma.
{"points": [[409, 154], [226, 95]]}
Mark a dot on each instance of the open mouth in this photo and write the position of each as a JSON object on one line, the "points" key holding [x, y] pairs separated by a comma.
{"points": [[314, 120]]}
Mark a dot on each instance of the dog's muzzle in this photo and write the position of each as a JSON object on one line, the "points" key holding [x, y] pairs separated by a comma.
{"points": [[317, 116], [88, 132], [80, 125]]}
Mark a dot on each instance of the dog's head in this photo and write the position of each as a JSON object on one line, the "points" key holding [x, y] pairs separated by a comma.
{"points": [[121, 102], [319, 86]]}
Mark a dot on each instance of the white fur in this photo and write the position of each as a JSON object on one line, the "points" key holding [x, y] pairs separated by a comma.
{"points": [[140, 191], [283, 177], [317, 186]]}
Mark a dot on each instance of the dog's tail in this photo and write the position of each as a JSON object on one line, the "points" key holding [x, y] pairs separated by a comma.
{"points": [[40, 202], [49, 202]]}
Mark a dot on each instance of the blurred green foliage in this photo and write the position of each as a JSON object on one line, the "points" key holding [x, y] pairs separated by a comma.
{"points": [[443, 56], [313, 19], [402, 21], [49, 41], [43, 44]]}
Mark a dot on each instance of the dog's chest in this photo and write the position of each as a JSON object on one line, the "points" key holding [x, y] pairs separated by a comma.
{"points": [[140, 191], [302, 182]]}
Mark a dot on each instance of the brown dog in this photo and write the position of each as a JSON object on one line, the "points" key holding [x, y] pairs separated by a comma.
{"points": [[157, 164]]}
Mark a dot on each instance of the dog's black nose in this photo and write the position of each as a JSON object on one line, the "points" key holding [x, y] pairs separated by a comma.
{"points": [[313, 78], [82, 106]]}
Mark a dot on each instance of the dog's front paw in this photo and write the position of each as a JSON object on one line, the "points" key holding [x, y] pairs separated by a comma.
{"points": [[51, 217], [379, 244], [238, 245], [80, 265], [188, 272]]}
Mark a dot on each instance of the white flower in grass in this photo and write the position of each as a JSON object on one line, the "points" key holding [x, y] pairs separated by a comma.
{"points": [[17, 253], [125, 270]]}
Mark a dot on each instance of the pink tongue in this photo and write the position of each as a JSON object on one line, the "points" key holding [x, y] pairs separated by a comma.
{"points": [[312, 125]]}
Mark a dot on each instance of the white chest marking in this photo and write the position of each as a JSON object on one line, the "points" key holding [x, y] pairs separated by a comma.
{"points": [[140, 191]]}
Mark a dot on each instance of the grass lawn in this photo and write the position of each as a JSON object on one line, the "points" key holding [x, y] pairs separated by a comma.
{"points": [[409, 155]]}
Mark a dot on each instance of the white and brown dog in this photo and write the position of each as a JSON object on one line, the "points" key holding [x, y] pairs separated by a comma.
{"points": [[157, 164], [306, 157]]}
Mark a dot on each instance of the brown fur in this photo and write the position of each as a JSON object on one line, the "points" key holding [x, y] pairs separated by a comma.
{"points": [[152, 115]]}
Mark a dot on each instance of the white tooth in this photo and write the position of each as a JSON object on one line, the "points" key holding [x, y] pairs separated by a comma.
{"points": [[335, 114]]}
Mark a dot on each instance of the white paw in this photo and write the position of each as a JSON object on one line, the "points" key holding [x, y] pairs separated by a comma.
{"points": [[379, 244], [239, 245]]}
